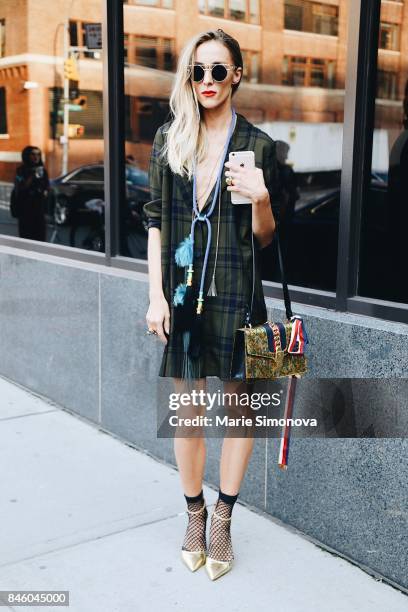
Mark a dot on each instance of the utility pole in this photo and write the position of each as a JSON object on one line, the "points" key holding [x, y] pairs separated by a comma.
{"points": [[64, 138], [71, 73]]}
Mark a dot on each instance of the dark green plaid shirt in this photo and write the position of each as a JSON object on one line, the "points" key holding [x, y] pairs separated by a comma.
{"points": [[171, 211]]}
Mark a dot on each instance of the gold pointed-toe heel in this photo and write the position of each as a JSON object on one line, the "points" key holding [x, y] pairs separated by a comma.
{"points": [[216, 569], [194, 559]]}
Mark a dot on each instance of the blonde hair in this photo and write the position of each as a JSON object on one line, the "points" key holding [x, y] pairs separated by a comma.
{"points": [[186, 136]]}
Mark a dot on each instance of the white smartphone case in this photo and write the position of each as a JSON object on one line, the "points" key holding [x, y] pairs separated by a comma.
{"points": [[244, 158]]}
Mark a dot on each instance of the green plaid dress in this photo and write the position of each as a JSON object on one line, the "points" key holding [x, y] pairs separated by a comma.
{"points": [[171, 211]]}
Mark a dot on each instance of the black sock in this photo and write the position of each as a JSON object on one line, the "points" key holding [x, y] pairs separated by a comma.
{"points": [[220, 530], [228, 499], [196, 498], [195, 538]]}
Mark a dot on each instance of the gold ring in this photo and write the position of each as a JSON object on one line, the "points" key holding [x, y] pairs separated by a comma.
{"points": [[229, 181]]}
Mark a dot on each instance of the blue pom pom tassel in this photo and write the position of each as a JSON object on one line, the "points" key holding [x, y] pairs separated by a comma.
{"points": [[184, 253], [179, 294]]}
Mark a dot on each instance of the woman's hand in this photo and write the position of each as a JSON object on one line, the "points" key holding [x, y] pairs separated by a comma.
{"points": [[158, 316], [249, 182]]}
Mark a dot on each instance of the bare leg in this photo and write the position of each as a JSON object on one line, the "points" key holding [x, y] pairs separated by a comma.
{"points": [[236, 452], [190, 451], [235, 456]]}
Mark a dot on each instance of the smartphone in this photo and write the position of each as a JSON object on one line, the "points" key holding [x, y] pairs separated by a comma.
{"points": [[246, 159]]}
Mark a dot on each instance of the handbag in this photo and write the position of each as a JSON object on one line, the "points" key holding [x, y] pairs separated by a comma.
{"points": [[273, 349]]}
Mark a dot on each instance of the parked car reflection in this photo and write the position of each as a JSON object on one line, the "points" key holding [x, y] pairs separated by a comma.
{"points": [[310, 243], [72, 205]]}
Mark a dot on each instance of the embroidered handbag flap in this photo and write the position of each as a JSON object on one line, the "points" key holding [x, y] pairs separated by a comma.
{"points": [[267, 340]]}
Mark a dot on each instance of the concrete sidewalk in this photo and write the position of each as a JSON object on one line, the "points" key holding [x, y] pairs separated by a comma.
{"points": [[84, 512]]}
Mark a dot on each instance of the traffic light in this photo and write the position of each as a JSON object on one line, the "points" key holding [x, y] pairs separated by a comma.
{"points": [[75, 130], [80, 101], [71, 69]]}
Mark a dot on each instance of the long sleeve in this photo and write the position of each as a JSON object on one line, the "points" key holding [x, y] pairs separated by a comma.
{"points": [[153, 208]]}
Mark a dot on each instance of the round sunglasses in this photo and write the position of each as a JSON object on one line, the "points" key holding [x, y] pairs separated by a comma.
{"points": [[219, 72]]}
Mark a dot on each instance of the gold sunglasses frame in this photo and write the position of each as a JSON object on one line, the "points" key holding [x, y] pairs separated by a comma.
{"points": [[209, 67]]}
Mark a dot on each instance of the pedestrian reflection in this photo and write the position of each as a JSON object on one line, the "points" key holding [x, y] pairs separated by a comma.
{"points": [[29, 195]]}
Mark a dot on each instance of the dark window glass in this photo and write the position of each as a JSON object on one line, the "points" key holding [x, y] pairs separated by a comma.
{"points": [[146, 51], [126, 48], [251, 66], [2, 37], [3, 111], [168, 57], [389, 36], [293, 16], [387, 85], [308, 72], [383, 254], [306, 16], [143, 116], [73, 33], [237, 9], [216, 8]]}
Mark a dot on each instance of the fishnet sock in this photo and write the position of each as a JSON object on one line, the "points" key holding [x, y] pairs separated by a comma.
{"points": [[220, 547], [194, 538]]}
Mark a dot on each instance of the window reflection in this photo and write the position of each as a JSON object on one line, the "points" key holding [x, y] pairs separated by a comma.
{"points": [[389, 36], [308, 72], [314, 17], [383, 255], [51, 171], [237, 10], [159, 3]]}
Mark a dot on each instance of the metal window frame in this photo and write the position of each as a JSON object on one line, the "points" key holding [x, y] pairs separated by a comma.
{"points": [[359, 107]]}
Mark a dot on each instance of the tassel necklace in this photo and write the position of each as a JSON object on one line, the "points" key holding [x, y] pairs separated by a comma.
{"points": [[188, 307]]}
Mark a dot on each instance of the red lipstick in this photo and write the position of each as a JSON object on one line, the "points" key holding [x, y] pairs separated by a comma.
{"points": [[209, 93]]}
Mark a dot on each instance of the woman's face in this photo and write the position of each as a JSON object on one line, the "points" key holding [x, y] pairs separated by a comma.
{"points": [[35, 155], [211, 93]]}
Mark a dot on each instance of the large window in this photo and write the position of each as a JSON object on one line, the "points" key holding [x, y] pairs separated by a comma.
{"points": [[304, 117], [389, 36], [143, 116], [308, 72], [314, 17], [251, 66], [150, 51], [159, 3], [77, 38], [3, 111], [2, 37], [238, 10], [65, 131], [383, 254], [387, 82]]}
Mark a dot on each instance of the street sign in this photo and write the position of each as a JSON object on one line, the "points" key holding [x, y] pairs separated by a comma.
{"points": [[93, 35]]}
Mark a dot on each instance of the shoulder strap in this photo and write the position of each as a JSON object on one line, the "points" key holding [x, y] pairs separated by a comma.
{"points": [[286, 295]]}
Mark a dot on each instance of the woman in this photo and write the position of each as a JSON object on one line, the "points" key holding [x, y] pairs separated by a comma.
{"points": [[189, 159], [31, 188]]}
